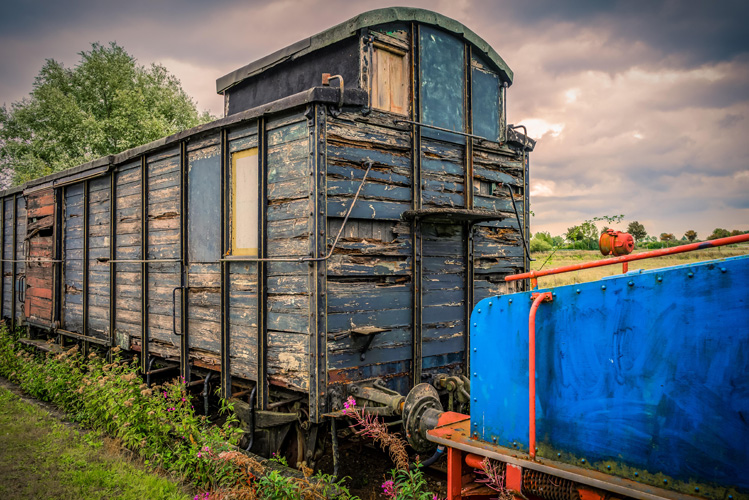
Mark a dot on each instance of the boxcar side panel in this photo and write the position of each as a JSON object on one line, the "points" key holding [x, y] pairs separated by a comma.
{"points": [[20, 238], [128, 247], [369, 280], [163, 244], [99, 215], [40, 247], [72, 311], [204, 247], [7, 255], [243, 286], [289, 216]]}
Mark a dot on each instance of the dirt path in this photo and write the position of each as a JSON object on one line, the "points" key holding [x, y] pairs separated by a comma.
{"points": [[42, 456]]}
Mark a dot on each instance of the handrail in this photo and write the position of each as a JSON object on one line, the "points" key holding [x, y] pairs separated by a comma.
{"points": [[537, 299], [533, 275]]}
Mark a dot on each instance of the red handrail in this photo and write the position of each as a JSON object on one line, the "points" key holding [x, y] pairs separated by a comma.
{"points": [[533, 275], [537, 299]]}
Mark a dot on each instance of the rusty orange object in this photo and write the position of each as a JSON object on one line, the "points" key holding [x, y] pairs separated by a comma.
{"points": [[616, 243]]}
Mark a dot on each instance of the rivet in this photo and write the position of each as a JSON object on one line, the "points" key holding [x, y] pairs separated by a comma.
{"points": [[490, 304], [475, 325], [582, 460], [475, 350], [603, 287], [475, 424], [659, 279], [475, 400], [476, 434], [510, 301], [494, 439], [577, 291], [553, 294], [474, 374], [691, 275], [722, 269], [631, 283]]}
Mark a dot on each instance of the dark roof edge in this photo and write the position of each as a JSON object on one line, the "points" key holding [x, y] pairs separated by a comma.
{"points": [[325, 95], [350, 27]]}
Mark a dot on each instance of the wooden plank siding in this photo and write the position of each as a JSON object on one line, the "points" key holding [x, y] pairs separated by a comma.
{"points": [[40, 216], [72, 308], [289, 227], [369, 275], [128, 236]]}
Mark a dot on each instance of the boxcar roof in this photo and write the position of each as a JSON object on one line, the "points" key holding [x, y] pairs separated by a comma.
{"points": [[329, 95], [350, 27]]}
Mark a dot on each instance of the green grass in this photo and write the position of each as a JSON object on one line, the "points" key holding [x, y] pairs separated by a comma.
{"points": [[40, 457], [572, 257]]}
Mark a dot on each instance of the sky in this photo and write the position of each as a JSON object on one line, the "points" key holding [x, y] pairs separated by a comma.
{"points": [[640, 108]]}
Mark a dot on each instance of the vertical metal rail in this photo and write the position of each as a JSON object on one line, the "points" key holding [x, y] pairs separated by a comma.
{"points": [[144, 265], [468, 189], [262, 268], [84, 278], [319, 267], [14, 268], [57, 256], [184, 351], [112, 257], [417, 322], [2, 260], [224, 265], [59, 291], [526, 211]]}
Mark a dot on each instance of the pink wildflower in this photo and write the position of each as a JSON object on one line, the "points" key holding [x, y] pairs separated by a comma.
{"points": [[199, 455]]}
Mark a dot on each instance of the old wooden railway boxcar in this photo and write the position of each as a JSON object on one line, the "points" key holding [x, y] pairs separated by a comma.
{"points": [[316, 236]]}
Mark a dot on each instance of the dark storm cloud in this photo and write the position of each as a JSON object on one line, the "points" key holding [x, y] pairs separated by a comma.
{"points": [[683, 32]]}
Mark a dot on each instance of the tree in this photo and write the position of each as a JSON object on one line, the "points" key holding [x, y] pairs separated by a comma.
{"points": [[637, 231], [719, 232], [691, 235], [104, 105]]}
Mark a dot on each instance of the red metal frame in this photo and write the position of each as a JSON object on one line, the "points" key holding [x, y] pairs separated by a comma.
{"points": [[534, 275], [537, 299]]}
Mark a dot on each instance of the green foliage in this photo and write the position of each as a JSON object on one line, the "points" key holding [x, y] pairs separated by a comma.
{"points": [[719, 232], [409, 485], [158, 423], [539, 243], [637, 231], [104, 105]]}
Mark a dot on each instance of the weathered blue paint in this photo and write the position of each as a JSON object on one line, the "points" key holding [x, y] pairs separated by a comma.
{"points": [[647, 369], [442, 83], [204, 209], [485, 103]]}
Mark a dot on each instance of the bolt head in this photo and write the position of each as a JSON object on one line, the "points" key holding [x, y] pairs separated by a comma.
{"points": [[603, 287]]}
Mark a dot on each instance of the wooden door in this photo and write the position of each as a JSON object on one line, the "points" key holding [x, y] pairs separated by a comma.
{"points": [[39, 254]]}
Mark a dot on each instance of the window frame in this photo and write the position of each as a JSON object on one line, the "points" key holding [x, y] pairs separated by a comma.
{"points": [[235, 156]]}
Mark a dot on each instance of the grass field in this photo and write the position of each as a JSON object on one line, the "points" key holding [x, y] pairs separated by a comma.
{"points": [[40, 457], [571, 257]]}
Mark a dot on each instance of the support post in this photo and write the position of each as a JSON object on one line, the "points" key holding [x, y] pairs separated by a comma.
{"points": [[454, 473], [112, 258], [262, 267], [14, 265], [85, 263], [144, 353], [416, 198], [225, 244], [184, 351]]}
